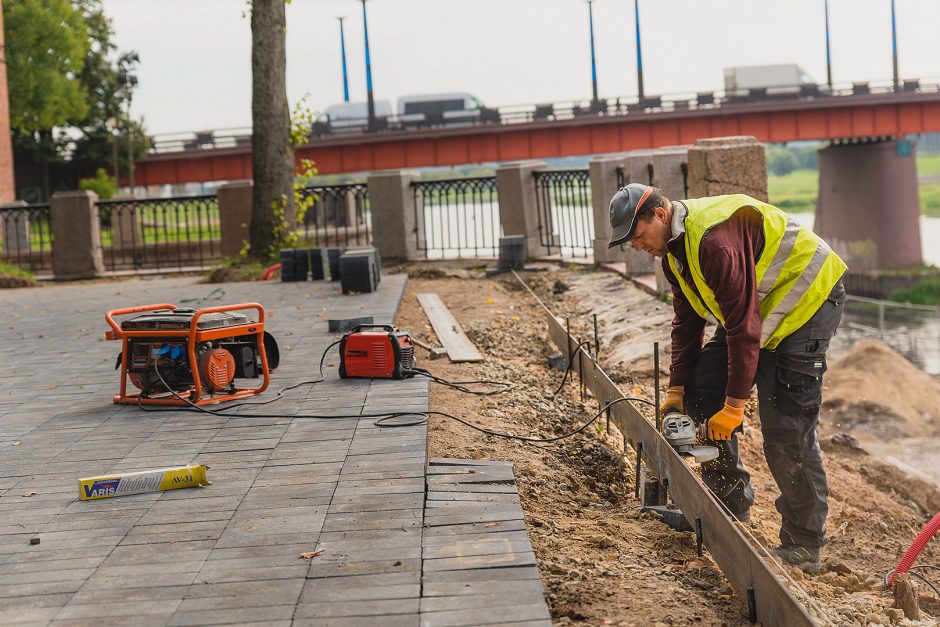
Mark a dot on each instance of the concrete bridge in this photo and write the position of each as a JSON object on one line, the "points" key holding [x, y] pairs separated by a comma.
{"points": [[553, 131]]}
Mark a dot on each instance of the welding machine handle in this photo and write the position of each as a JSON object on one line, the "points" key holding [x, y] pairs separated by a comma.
{"points": [[130, 310], [386, 327]]}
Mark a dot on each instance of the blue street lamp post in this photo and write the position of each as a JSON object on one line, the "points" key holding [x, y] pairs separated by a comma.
{"points": [[828, 57], [342, 48], [894, 46], [365, 28], [639, 53], [593, 56]]}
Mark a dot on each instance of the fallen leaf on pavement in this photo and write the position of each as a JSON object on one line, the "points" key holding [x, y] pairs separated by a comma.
{"points": [[31, 494], [310, 554]]}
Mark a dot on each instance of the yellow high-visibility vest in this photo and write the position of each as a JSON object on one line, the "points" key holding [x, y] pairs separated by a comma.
{"points": [[795, 273]]}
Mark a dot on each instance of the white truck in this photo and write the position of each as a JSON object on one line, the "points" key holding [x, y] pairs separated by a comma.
{"points": [[786, 79]]}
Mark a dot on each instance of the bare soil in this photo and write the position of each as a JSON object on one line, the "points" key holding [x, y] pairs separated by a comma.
{"points": [[602, 560]]}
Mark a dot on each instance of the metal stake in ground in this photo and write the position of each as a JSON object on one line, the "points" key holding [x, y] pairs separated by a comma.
{"points": [[659, 426]]}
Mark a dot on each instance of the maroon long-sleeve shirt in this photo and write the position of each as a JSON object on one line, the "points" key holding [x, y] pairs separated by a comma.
{"points": [[727, 255]]}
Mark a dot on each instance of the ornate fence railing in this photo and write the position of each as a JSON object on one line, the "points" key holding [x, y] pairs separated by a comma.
{"points": [[26, 232], [457, 217], [160, 233], [337, 215], [565, 216]]}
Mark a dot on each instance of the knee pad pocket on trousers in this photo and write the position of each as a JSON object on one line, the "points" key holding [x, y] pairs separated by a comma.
{"points": [[798, 383]]}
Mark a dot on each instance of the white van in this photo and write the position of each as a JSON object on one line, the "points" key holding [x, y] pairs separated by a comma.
{"points": [[348, 115], [437, 109]]}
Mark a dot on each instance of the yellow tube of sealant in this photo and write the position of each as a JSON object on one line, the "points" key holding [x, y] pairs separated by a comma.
{"points": [[120, 484]]}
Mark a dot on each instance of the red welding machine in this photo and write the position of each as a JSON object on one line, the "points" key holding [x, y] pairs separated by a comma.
{"points": [[376, 351]]}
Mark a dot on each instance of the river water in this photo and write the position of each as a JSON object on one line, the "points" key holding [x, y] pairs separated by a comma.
{"points": [[929, 235]]}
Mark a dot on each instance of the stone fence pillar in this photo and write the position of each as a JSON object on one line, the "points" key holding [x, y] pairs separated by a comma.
{"points": [[394, 224], [126, 227], [670, 174], [235, 216], [604, 184], [728, 165], [518, 204], [76, 232], [15, 227], [638, 168]]}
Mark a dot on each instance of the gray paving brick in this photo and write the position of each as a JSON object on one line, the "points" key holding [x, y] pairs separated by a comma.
{"points": [[119, 608], [486, 616], [263, 614], [354, 609]]}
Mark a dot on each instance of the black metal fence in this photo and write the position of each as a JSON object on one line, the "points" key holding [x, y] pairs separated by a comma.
{"points": [[457, 217], [566, 223], [336, 215], [160, 233], [26, 232]]}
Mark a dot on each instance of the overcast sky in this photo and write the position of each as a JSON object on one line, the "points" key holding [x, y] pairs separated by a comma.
{"points": [[195, 71]]}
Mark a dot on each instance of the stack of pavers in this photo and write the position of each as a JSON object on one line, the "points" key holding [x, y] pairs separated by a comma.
{"points": [[358, 269], [511, 253], [297, 264]]}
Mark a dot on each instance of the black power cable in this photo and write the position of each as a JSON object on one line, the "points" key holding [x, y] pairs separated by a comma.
{"points": [[568, 368], [383, 418]]}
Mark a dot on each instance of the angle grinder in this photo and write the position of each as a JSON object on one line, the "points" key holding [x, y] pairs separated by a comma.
{"points": [[682, 435]]}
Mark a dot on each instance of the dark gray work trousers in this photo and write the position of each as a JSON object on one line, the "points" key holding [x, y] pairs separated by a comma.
{"points": [[789, 392]]}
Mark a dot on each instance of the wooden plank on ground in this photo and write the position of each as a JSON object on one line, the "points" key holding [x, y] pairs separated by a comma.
{"points": [[458, 345]]}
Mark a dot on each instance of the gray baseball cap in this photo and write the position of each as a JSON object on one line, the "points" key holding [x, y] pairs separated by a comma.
{"points": [[624, 207]]}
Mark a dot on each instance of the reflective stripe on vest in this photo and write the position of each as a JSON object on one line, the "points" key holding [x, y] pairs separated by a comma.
{"points": [[795, 272]]}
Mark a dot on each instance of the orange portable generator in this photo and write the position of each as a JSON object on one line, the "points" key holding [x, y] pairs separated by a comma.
{"points": [[383, 353], [178, 356]]}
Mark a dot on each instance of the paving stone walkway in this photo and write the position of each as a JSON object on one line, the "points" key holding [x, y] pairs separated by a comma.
{"points": [[404, 541]]}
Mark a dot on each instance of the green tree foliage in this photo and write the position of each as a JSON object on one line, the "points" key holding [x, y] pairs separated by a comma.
{"points": [[67, 99], [926, 292], [46, 44], [781, 161], [101, 184]]}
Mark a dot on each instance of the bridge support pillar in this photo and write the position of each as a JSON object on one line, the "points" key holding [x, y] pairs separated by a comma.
{"points": [[518, 205], [235, 201], [604, 184], [394, 223], [76, 232], [868, 207]]}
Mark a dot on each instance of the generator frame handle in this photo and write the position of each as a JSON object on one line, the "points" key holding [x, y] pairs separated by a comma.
{"points": [[118, 332]]}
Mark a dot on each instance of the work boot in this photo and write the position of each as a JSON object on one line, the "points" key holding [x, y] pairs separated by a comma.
{"points": [[806, 558]]}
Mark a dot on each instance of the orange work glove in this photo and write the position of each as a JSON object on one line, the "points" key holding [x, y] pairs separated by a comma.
{"points": [[723, 424], [674, 401]]}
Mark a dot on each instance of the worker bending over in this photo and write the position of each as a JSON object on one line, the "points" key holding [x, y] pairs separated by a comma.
{"points": [[774, 288]]}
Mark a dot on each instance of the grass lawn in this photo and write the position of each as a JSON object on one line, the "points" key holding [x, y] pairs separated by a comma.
{"points": [[796, 192]]}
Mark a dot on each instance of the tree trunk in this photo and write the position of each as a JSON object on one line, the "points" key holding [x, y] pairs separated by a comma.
{"points": [[272, 157]]}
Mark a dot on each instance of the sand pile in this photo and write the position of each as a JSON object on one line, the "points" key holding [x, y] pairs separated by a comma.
{"points": [[876, 391]]}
